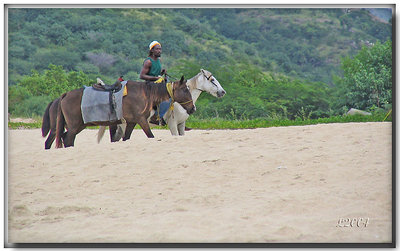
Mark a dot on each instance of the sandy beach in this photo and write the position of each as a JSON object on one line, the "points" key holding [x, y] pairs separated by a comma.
{"points": [[320, 183]]}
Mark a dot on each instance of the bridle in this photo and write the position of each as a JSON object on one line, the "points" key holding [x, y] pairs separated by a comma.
{"points": [[208, 79], [170, 90]]}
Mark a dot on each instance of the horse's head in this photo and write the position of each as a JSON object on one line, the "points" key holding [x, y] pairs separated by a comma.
{"points": [[207, 82], [182, 96]]}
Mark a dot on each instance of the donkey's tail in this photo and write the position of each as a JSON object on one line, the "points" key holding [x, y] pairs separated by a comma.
{"points": [[60, 124], [46, 120], [118, 134], [100, 133]]}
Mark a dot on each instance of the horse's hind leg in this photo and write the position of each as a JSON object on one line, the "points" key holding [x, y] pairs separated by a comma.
{"points": [[69, 139], [146, 128], [128, 131], [50, 139], [70, 135]]}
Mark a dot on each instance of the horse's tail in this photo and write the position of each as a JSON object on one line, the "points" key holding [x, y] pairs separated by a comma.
{"points": [[118, 134], [46, 120], [100, 133], [60, 124]]}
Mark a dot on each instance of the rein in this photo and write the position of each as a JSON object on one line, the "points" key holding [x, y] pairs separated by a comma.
{"points": [[170, 89]]}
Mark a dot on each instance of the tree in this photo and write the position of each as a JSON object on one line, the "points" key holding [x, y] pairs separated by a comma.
{"points": [[31, 95], [367, 80], [54, 82]]}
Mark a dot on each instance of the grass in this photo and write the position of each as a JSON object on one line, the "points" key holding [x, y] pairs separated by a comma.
{"points": [[22, 125], [219, 123]]}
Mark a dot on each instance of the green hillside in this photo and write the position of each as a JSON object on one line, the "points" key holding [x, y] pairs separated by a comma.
{"points": [[252, 52]]}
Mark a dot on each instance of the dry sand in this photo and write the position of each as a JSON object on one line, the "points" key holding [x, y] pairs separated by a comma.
{"points": [[287, 184]]}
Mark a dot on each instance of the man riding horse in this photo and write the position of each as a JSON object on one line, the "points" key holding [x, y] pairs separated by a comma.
{"points": [[152, 71]]}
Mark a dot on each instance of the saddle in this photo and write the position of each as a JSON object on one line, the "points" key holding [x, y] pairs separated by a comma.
{"points": [[116, 87]]}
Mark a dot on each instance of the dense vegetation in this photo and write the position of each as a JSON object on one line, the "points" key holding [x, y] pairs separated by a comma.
{"points": [[273, 63]]}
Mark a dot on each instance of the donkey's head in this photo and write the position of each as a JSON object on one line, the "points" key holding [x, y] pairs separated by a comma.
{"points": [[207, 82], [182, 96]]}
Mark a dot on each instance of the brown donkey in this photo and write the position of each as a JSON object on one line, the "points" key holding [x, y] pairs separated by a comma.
{"points": [[136, 108]]}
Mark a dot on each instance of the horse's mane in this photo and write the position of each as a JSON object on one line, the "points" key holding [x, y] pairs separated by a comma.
{"points": [[158, 92], [192, 82]]}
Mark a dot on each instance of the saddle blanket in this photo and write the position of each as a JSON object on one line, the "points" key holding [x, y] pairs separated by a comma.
{"points": [[96, 106]]}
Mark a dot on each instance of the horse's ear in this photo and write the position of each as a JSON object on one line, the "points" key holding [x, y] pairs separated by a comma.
{"points": [[182, 79]]}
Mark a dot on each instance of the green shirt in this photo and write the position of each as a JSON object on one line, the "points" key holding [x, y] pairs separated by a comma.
{"points": [[155, 69]]}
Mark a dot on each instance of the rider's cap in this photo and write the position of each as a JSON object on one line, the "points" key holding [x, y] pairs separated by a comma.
{"points": [[154, 43]]}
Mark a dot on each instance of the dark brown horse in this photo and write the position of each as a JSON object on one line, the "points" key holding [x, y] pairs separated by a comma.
{"points": [[136, 107], [49, 122]]}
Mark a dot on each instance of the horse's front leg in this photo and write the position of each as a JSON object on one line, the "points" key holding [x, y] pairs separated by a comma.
{"points": [[113, 130], [145, 126], [181, 128], [117, 132], [173, 127], [128, 130]]}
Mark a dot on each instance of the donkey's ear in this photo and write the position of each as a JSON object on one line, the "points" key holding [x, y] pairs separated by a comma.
{"points": [[182, 79]]}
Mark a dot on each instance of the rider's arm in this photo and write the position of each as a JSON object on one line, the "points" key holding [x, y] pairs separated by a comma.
{"points": [[145, 69]]}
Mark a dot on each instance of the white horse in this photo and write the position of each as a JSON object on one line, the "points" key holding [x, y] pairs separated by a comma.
{"points": [[203, 81], [176, 118]]}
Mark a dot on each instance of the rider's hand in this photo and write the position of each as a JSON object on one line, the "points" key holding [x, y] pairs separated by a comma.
{"points": [[159, 80]]}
